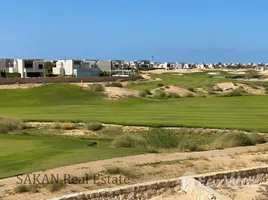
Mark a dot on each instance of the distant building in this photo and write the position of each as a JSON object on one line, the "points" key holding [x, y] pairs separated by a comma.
{"points": [[261, 68], [26, 67], [78, 68]]}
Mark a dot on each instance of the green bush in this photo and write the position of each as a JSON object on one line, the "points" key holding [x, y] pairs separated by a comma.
{"points": [[118, 170], [120, 80], [160, 85], [142, 93], [189, 95], [12, 75], [257, 138], [191, 89], [94, 126], [105, 73], [229, 140], [7, 125], [56, 186], [173, 95], [130, 141], [113, 84], [234, 93], [96, 88], [159, 94], [161, 139], [21, 189]]}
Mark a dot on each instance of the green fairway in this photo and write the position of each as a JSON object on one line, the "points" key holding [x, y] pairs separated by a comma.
{"points": [[52, 103], [27, 153], [194, 80]]}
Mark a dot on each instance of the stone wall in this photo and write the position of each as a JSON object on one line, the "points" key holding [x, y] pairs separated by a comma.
{"points": [[199, 191], [139, 191], [240, 177], [199, 186]]}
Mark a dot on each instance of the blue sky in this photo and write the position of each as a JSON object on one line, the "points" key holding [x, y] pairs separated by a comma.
{"points": [[169, 30]]}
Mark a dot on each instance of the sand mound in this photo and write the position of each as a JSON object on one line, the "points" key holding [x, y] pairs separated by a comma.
{"points": [[174, 89], [227, 86], [119, 93], [231, 86], [250, 90]]}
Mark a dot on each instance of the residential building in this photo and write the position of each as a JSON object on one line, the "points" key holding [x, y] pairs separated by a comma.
{"points": [[6, 64], [177, 65], [105, 66], [76, 68], [261, 68], [27, 67]]}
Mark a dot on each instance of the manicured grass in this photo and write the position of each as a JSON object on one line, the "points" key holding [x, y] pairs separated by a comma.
{"points": [[245, 112], [194, 80], [27, 153]]}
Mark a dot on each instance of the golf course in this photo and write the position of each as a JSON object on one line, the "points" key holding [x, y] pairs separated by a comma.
{"points": [[63, 102]]}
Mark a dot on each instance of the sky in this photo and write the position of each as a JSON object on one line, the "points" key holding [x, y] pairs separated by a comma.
{"points": [[168, 30]]}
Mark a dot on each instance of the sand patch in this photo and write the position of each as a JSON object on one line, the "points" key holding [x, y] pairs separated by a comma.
{"points": [[213, 73], [178, 195], [240, 193], [250, 90], [227, 86], [119, 93], [237, 72], [174, 89], [21, 86]]}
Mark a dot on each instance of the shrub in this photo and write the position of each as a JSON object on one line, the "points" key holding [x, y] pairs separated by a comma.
{"points": [[7, 125], [189, 95], [130, 141], [161, 139], [94, 126], [236, 92], [257, 138], [173, 95], [159, 94], [113, 84], [229, 140], [96, 88], [12, 75], [263, 193], [142, 93], [21, 189], [55, 186], [189, 145], [118, 170], [191, 89], [148, 92], [159, 85], [64, 126], [120, 80]]}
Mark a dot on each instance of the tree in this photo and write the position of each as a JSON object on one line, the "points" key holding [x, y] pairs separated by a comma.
{"points": [[48, 67]]}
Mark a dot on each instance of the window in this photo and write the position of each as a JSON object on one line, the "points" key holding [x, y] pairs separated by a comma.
{"points": [[40, 66]]}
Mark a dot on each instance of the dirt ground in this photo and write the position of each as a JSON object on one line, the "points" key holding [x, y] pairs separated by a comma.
{"points": [[20, 86], [147, 167], [177, 196], [229, 86], [119, 93], [180, 91], [241, 193]]}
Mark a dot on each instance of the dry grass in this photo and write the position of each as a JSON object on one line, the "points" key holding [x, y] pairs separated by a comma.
{"points": [[7, 125]]}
